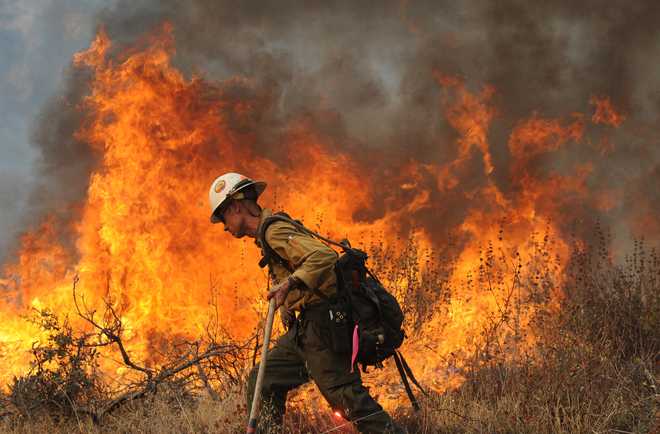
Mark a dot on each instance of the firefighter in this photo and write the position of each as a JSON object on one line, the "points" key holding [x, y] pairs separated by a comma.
{"points": [[303, 353]]}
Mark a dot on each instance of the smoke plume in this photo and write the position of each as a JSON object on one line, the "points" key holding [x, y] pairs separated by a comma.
{"points": [[366, 75]]}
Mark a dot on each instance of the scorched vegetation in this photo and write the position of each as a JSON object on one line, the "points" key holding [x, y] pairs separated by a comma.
{"points": [[576, 352]]}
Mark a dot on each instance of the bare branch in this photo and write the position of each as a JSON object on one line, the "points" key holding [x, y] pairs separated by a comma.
{"points": [[111, 332], [205, 380]]}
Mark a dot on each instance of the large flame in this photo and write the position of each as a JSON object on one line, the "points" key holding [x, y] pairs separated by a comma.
{"points": [[143, 235]]}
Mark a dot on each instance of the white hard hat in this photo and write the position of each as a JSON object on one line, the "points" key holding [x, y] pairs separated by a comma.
{"points": [[231, 186]]}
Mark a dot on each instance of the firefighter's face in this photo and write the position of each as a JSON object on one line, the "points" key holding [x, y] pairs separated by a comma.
{"points": [[234, 220]]}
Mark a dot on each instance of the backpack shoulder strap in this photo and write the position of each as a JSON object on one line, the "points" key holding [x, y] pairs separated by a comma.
{"points": [[269, 254], [267, 251], [282, 216]]}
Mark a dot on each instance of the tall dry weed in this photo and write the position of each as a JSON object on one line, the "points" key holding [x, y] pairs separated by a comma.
{"points": [[593, 366]]}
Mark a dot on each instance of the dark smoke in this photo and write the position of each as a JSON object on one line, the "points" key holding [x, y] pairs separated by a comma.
{"points": [[65, 163], [361, 73]]}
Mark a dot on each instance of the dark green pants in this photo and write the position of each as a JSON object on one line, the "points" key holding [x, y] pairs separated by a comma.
{"points": [[303, 354]]}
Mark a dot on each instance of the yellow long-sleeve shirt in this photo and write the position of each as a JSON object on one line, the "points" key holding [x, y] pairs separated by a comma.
{"points": [[311, 260]]}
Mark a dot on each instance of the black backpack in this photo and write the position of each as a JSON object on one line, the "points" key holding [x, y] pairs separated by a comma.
{"points": [[362, 309], [375, 311]]}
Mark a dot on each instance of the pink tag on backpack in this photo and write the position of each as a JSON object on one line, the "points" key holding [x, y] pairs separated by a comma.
{"points": [[356, 347]]}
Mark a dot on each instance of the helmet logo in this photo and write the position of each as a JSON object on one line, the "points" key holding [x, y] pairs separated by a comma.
{"points": [[219, 186]]}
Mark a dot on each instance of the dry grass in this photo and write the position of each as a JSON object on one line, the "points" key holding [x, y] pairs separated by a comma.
{"points": [[594, 369], [167, 412]]}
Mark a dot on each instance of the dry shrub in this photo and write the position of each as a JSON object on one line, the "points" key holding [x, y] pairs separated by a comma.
{"points": [[615, 306], [593, 367], [63, 379], [595, 363]]}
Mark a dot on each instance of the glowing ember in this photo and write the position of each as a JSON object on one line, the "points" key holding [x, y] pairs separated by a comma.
{"points": [[605, 113]]}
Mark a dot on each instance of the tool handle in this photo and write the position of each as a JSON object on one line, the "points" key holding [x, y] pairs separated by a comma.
{"points": [[256, 399]]}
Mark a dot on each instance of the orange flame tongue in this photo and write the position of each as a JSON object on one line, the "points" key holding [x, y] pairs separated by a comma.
{"points": [[144, 237]]}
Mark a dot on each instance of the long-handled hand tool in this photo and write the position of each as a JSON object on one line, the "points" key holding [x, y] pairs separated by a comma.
{"points": [[256, 400]]}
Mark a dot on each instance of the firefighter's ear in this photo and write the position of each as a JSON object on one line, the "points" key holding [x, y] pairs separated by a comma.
{"points": [[234, 207], [243, 206]]}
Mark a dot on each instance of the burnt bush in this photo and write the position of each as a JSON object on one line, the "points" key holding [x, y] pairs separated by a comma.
{"points": [[62, 381]]}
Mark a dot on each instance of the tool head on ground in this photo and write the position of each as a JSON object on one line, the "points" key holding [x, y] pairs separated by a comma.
{"points": [[232, 186]]}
